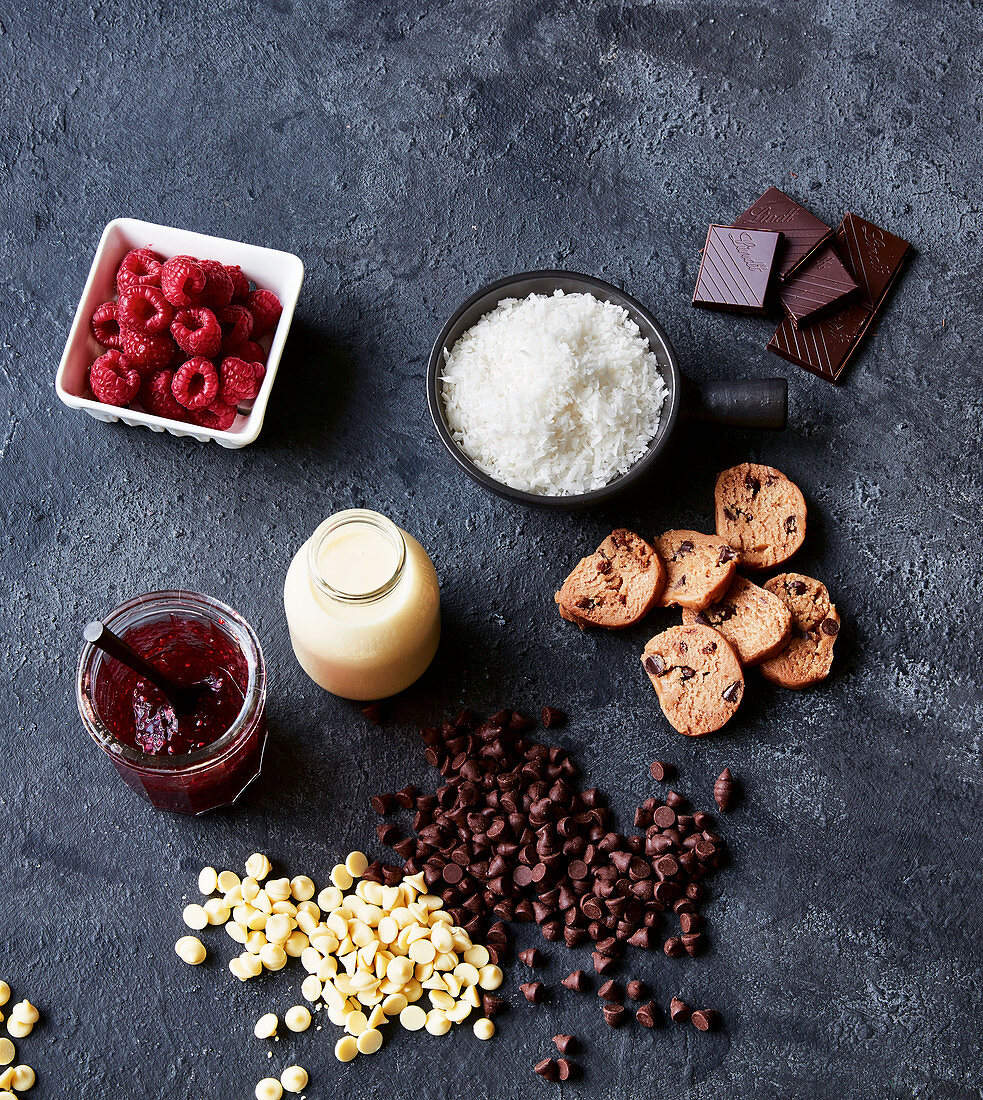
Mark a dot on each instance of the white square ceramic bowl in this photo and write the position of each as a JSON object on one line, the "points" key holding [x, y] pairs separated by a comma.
{"points": [[281, 272]]}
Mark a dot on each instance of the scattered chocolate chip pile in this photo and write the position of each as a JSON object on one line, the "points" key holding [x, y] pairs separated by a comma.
{"points": [[509, 836]]}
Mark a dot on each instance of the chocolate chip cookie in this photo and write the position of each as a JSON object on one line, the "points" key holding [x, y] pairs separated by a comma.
{"points": [[613, 588], [752, 619], [696, 676], [760, 513], [808, 655], [699, 568]]}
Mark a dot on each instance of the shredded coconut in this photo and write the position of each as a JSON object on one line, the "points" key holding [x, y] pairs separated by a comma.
{"points": [[555, 395]]}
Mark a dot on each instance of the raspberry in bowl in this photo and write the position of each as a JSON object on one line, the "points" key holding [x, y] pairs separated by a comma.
{"points": [[159, 304], [193, 762]]}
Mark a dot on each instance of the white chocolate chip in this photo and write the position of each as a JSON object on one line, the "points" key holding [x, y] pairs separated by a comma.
{"points": [[437, 1022], [345, 1049], [23, 1078], [298, 1018], [269, 1089], [25, 1013], [227, 880], [369, 1041], [266, 1026], [311, 988], [216, 910], [294, 1078], [19, 1029], [413, 1018], [272, 956], [195, 917], [302, 888], [207, 880], [490, 977], [8, 1052], [189, 949], [258, 866], [356, 865], [484, 1028], [4, 993], [278, 889]]}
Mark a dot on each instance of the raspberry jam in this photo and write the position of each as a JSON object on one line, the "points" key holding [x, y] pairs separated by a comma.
{"points": [[195, 762]]}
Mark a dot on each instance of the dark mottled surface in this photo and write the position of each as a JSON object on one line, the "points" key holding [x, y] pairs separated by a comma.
{"points": [[408, 154]]}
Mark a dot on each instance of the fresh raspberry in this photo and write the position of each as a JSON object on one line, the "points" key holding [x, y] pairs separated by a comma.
{"points": [[218, 415], [181, 279], [240, 380], [240, 284], [218, 285], [105, 326], [156, 397], [113, 380], [250, 351], [237, 326], [265, 307], [195, 383], [140, 267], [144, 309], [197, 332], [148, 353]]}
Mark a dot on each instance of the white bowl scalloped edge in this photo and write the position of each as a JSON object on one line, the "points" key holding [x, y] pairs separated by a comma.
{"points": [[281, 272]]}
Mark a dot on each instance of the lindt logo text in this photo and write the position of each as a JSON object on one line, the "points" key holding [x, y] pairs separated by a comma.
{"points": [[742, 245]]}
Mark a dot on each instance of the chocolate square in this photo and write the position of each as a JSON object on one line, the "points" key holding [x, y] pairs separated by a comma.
{"points": [[804, 233], [874, 256], [825, 347], [736, 269], [820, 287]]}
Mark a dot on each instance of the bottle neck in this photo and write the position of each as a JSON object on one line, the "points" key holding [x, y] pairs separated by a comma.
{"points": [[356, 533]]}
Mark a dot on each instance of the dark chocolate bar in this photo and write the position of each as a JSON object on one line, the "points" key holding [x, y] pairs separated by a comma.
{"points": [[736, 269], [873, 255], [822, 286], [826, 346], [803, 233]]}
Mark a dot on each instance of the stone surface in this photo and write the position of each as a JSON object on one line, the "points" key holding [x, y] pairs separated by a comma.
{"points": [[409, 154]]}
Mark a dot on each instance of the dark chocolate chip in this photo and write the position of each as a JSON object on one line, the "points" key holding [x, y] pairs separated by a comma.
{"points": [[577, 981], [547, 1069], [382, 803], [795, 588], [534, 992], [830, 627], [726, 554], [679, 1011], [491, 1005], [731, 692], [615, 1015], [752, 484], [373, 712], [552, 718], [685, 547], [660, 770], [705, 1019], [655, 665], [686, 673], [566, 1069], [532, 957], [647, 1015], [790, 524], [611, 991], [566, 1044], [673, 947], [637, 990]]}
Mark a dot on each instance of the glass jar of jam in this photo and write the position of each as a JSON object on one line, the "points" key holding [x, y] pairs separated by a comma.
{"points": [[194, 762]]}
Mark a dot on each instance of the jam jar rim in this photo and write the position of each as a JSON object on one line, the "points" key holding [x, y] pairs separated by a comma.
{"points": [[175, 600]]}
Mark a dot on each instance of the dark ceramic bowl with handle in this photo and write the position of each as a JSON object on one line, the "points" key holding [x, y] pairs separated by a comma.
{"points": [[747, 403]]}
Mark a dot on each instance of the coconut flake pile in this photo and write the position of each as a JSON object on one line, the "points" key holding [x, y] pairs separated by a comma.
{"points": [[555, 395]]}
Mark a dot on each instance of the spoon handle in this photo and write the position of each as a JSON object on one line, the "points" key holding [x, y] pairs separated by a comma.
{"points": [[99, 635]]}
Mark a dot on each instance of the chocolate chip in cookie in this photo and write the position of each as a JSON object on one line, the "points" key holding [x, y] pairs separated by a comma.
{"points": [[696, 676], [753, 620], [699, 568], [808, 655], [760, 513], [616, 586]]}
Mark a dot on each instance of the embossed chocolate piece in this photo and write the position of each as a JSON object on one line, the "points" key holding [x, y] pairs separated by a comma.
{"points": [[736, 270]]}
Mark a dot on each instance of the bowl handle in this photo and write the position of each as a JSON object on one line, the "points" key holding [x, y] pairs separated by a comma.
{"points": [[745, 403]]}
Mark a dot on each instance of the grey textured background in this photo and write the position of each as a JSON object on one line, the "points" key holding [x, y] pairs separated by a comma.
{"points": [[409, 154]]}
